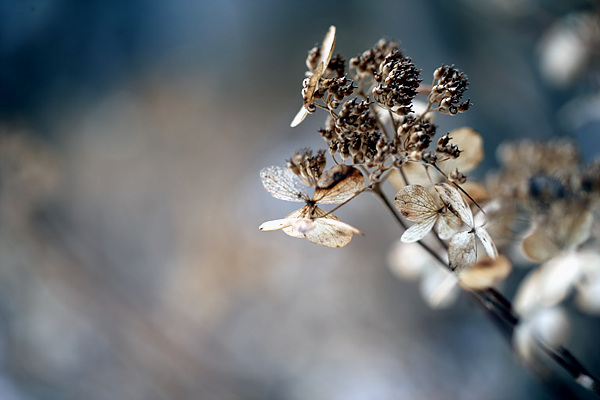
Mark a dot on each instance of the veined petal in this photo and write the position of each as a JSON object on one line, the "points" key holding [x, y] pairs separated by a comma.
{"points": [[448, 225], [415, 203], [488, 243], [462, 251], [338, 184], [453, 198], [283, 184], [418, 231]]}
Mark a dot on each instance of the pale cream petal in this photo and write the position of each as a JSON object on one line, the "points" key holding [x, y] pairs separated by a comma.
{"points": [[275, 224], [305, 213], [538, 246], [418, 231], [448, 225], [486, 273], [329, 230], [462, 251], [549, 325], [471, 145], [439, 288], [488, 243], [327, 46], [302, 113], [409, 260], [452, 197], [415, 203]]}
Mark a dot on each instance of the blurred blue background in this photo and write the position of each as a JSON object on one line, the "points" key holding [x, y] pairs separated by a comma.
{"points": [[131, 266]]}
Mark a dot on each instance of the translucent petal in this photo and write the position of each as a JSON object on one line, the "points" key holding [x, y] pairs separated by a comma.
{"points": [[548, 285], [462, 251], [486, 273], [283, 184], [328, 230], [588, 296], [452, 197], [338, 184], [409, 260], [488, 243], [439, 288], [418, 231], [471, 145], [538, 246], [549, 325], [448, 225], [415, 203]]}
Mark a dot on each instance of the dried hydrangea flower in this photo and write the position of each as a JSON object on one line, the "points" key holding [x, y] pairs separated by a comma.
{"points": [[462, 248], [565, 226], [416, 204], [554, 280], [335, 186]]}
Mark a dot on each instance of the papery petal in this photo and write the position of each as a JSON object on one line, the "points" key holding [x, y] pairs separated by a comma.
{"points": [[418, 231], [462, 251], [549, 284], [448, 225], [549, 325], [409, 260], [488, 243], [486, 273], [275, 224], [338, 184], [538, 246], [283, 184], [471, 145], [302, 113], [415, 203], [452, 197], [327, 230], [439, 288]]}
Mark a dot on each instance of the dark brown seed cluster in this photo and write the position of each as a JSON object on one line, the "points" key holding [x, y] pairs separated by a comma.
{"points": [[397, 83], [306, 166], [448, 89], [367, 64]]}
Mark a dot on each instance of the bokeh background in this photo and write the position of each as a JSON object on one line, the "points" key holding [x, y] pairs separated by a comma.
{"points": [[131, 265]]}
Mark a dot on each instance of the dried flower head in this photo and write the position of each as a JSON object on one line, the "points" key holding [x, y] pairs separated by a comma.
{"points": [[335, 186]]}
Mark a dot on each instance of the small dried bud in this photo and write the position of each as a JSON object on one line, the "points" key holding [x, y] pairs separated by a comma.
{"points": [[457, 177]]}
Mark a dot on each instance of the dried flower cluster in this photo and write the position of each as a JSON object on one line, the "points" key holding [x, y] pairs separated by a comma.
{"points": [[380, 127]]}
